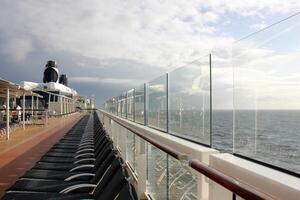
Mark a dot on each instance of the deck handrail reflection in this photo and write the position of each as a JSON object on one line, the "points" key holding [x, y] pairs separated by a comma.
{"points": [[236, 186]]}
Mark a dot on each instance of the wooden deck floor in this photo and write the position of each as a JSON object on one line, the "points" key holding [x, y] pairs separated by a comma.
{"points": [[26, 147]]}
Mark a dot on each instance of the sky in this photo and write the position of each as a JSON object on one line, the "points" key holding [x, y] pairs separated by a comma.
{"points": [[107, 47]]}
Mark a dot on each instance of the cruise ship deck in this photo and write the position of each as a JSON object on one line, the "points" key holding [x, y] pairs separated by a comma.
{"points": [[62, 164], [167, 103]]}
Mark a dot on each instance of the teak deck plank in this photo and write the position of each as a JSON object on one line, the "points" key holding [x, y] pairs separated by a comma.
{"points": [[26, 147]]}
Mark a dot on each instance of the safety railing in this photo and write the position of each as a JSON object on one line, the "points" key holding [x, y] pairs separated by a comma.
{"points": [[243, 101], [171, 174]]}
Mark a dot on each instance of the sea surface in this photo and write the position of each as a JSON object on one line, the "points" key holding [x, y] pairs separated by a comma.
{"points": [[269, 136]]}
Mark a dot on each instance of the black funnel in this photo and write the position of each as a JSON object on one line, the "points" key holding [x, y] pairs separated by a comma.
{"points": [[51, 72]]}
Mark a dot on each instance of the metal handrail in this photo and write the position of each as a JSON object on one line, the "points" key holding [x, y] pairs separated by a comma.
{"points": [[236, 186]]}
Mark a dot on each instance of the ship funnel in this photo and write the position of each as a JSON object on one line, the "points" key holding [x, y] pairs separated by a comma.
{"points": [[63, 79], [51, 72]]}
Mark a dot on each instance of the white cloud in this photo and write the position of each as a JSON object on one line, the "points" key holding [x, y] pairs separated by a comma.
{"points": [[16, 48], [145, 31], [152, 32], [258, 26], [250, 7], [113, 81]]}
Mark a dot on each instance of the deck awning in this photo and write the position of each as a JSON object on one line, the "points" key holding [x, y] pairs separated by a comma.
{"points": [[9, 89], [15, 89]]}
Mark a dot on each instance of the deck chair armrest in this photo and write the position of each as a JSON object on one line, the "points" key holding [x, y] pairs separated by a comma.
{"points": [[79, 175], [85, 143], [86, 146], [81, 167], [84, 154], [76, 187], [84, 159], [83, 150]]}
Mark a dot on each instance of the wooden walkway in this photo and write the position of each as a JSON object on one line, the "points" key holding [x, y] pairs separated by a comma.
{"points": [[26, 147]]}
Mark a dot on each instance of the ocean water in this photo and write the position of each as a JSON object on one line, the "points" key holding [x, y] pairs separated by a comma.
{"points": [[270, 136]]}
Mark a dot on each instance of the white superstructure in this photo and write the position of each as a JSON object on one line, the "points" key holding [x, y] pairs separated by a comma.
{"points": [[51, 86]]}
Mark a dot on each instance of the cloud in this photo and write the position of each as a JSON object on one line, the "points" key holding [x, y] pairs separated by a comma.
{"points": [[146, 31], [113, 81], [16, 48], [258, 26], [266, 75], [152, 32], [250, 7]]}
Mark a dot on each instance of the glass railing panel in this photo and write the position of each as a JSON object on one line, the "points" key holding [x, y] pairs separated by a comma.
{"points": [[189, 101], [139, 103], [157, 113], [182, 181], [222, 101], [114, 106], [110, 106], [115, 129], [156, 173], [266, 95], [119, 100], [130, 149], [130, 104], [124, 105]]}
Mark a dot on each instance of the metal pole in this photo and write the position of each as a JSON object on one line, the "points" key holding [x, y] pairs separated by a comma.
{"points": [[68, 101], [167, 102], [15, 102], [61, 106], [49, 101], [210, 102], [66, 106], [23, 106], [37, 107], [7, 114], [145, 104], [133, 106], [31, 106]]}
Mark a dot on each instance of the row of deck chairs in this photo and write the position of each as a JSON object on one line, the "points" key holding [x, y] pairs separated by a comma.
{"points": [[82, 165]]}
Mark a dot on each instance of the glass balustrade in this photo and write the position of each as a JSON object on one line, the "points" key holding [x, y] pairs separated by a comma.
{"points": [[189, 101], [166, 177], [255, 109], [119, 100], [266, 95], [157, 113], [130, 149], [130, 104], [182, 181], [115, 130], [114, 106], [222, 101], [157, 170], [124, 105], [139, 103]]}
